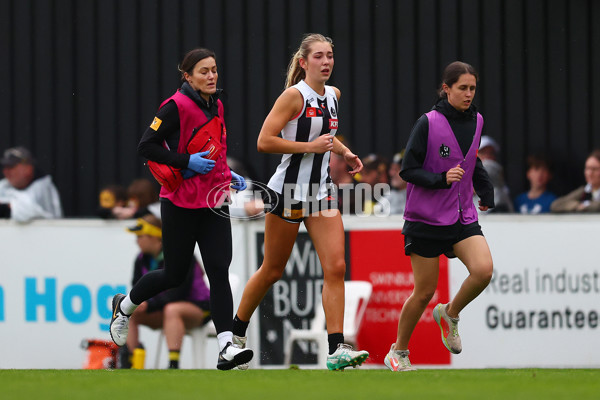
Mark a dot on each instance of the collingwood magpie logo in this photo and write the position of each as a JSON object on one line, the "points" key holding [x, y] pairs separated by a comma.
{"points": [[333, 113], [444, 151]]}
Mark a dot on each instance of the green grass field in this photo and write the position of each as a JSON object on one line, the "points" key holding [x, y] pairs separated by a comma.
{"points": [[372, 384]]}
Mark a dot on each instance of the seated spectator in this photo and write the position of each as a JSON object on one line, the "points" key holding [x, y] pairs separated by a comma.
{"points": [[396, 198], [538, 199], [585, 198], [25, 192], [488, 153], [174, 310], [375, 170], [111, 196], [141, 195]]}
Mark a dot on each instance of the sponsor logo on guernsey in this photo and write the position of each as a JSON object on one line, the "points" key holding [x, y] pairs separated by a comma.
{"points": [[333, 124], [444, 151], [311, 112], [156, 123]]}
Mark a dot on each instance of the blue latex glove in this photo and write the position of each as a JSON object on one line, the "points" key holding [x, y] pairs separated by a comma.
{"points": [[238, 182], [188, 173], [200, 164]]}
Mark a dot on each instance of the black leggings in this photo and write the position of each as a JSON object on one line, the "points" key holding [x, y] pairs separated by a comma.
{"points": [[182, 229]]}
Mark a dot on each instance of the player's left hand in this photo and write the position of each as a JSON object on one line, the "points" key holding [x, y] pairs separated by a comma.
{"points": [[238, 182], [483, 208], [354, 162]]}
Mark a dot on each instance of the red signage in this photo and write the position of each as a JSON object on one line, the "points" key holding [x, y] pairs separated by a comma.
{"points": [[378, 257]]}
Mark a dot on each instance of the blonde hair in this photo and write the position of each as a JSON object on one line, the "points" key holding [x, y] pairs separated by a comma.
{"points": [[295, 73]]}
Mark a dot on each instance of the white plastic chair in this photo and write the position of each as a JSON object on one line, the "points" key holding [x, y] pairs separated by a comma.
{"points": [[200, 334], [357, 294]]}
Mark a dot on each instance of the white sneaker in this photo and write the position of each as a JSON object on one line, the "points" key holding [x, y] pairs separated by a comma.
{"points": [[397, 360], [240, 343], [449, 328], [119, 323], [232, 356], [345, 356]]}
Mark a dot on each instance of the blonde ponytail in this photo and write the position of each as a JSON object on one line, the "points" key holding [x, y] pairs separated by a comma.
{"points": [[295, 72]]}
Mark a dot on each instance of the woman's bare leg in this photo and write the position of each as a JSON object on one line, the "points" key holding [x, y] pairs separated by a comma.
{"points": [[475, 254], [425, 272], [326, 231], [178, 317], [280, 237], [141, 317]]}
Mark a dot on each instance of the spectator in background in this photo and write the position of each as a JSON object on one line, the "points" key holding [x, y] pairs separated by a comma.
{"points": [[111, 196], [538, 199], [375, 171], [141, 194], [396, 198], [174, 310], [585, 198], [25, 192], [488, 153], [343, 180]]}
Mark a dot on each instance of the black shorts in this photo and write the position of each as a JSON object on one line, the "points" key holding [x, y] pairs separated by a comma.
{"points": [[294, 210], [202, 305], [431, 248]]}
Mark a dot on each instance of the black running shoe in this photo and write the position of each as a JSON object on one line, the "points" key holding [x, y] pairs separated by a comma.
{"points": [[232, 356]]}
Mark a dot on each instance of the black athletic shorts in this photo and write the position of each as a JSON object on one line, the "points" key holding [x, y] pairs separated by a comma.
{"points": [[431, 248], [203, 305], [294, 210]]}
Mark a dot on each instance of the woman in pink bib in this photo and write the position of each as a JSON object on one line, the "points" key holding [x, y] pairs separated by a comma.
{"points": [[187, 144]]}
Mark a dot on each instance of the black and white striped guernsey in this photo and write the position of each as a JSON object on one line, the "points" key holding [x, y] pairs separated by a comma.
{"points": [[305, 172]]}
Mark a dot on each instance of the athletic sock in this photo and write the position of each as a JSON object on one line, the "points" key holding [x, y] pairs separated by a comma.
{"points": [[223, 338], [239, 326], [173, 359], [127, 306], [334, 339]]}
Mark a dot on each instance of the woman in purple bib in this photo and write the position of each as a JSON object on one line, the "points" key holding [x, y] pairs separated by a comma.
{"points": [[442, 170]]}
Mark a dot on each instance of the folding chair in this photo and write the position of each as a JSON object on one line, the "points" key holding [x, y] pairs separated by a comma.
{"points": [[357, 294]]}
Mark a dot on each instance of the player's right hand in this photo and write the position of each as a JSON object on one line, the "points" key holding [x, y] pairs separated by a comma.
{"points": [[322, 144], [454, 174]]}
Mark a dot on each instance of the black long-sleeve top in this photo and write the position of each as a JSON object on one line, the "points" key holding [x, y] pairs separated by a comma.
{"points": [[151, 144], [463, 125]]}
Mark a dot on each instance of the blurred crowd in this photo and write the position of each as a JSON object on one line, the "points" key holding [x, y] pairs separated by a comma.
{"points": [[27, 193], [383, 191]]}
